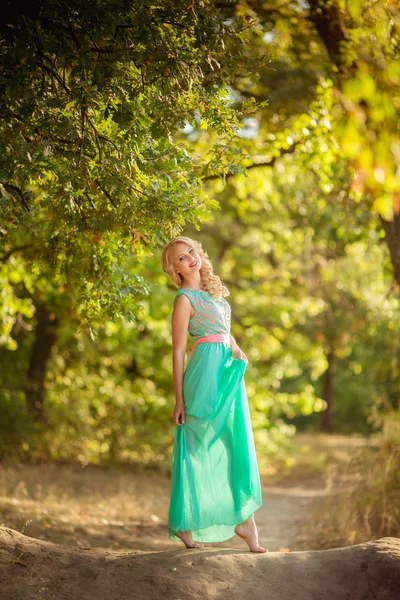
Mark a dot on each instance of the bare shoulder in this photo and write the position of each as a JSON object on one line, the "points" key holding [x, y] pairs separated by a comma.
{"points": [[181, 300], [182, 305]]}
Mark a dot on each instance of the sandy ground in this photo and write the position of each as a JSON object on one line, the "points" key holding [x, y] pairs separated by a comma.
{"points": [[31, 569]]}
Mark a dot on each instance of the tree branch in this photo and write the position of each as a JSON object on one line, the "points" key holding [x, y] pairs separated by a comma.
{"points": [[13, 188], [7, 255], [106, 193], [80, 210]]}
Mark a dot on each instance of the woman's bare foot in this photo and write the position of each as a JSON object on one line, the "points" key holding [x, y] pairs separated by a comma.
{"points": [[248, 532], [186, 537]]}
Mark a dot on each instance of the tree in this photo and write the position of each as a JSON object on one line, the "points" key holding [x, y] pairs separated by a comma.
{"points": [[91, 95], [363, 45], [295, 240], [352, 48]]}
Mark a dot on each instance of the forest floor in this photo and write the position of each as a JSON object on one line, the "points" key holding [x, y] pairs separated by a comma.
{"points": [[119, 509]]}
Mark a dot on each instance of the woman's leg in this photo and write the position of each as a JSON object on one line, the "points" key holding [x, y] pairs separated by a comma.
{"points": [[248, 532], [186, 537]]}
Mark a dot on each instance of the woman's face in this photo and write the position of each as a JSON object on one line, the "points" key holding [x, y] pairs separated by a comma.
{"points": [[185, 259]]}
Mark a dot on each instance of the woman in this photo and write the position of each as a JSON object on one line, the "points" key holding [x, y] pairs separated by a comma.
{"points": [[215, 480]]}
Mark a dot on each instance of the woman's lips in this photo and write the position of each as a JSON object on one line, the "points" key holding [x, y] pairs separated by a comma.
{"points": [[194, 263]]}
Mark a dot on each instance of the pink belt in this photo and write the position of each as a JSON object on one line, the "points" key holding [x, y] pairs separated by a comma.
{"points": [[214, 337]]}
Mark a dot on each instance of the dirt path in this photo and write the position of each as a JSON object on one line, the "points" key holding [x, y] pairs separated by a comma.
{"points": [[114, 509], [287, 514]]}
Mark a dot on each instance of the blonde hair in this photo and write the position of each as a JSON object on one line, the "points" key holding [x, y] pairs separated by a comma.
{"points": [[210, 281]]}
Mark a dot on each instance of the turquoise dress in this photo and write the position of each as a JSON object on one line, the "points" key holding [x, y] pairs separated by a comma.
{"points": [[215, 479]]}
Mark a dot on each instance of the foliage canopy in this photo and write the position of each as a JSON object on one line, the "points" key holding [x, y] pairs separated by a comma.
{"points": [[90, 97]]}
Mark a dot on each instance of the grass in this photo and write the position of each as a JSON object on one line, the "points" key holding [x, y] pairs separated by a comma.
{"points": [[364, 502], [314, 456], [84, 506]]}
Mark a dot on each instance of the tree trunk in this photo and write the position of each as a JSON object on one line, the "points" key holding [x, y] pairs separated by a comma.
{"points": [[329, 394], [45, 336], [392, 233], [330, 27]]}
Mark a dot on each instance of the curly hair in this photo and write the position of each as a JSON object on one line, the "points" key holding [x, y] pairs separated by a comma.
{"points": [[210, 281]]}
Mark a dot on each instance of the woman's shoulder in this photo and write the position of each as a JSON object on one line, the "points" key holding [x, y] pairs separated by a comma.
{"points": [[195, 297]]}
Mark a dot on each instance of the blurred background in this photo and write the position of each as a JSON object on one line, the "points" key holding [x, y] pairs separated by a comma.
{"points": [[267, 131]]}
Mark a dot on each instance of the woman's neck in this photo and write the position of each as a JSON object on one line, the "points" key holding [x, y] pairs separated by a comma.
{"points": [[193, 285]]}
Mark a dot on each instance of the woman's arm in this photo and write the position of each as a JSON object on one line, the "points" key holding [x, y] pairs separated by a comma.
{"points": [[180, 323]]}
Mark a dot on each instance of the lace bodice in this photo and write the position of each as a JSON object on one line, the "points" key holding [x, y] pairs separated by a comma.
{"points": [[210, 315]]}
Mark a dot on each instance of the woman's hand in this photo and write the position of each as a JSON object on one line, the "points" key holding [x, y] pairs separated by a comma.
{"points": [[179, 413], [237, 352]]}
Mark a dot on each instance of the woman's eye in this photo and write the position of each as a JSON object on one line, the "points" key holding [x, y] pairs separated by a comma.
{"points": [[182, 257]]}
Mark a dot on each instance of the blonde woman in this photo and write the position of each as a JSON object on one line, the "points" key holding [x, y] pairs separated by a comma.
{"points": [[215, 485]]}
